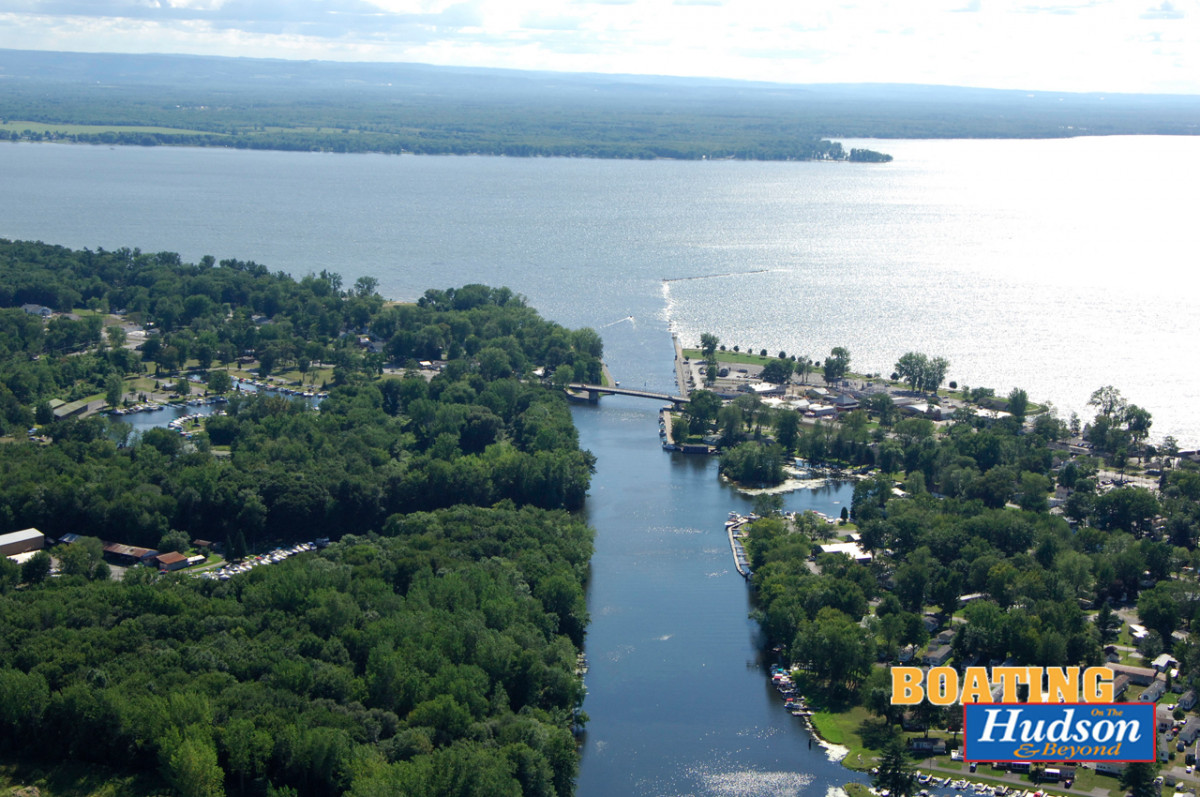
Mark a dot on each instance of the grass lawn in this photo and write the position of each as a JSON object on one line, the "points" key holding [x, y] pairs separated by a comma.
{"points": [[71, 130], [843, 729], [729, 357], [74, 779]]}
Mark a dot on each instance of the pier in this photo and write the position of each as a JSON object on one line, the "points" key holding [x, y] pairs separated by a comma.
{"points": [[682, 378], [733, 527]]}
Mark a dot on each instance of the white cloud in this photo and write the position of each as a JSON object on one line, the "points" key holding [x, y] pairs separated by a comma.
{"points": [[1068, 45], [1164, 10]]}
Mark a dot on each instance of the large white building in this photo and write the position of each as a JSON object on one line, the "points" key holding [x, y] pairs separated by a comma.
{"points": [[16, 542]]}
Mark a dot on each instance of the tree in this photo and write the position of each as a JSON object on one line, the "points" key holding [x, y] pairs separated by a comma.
{"points": [[882, 406], [114, 389], [911, 368], [174, 540], [936, 373], [1137, 422], [679, 429], [116, 336], [36, 568], [365, 286], [702, 410], [1158, 608], [777, 371], [192, 768], [803, 366], [1034, 490], [219, 382], [1108, 401], [837, 364], [1137, 779], [1108, 624], [895, 774], [838, 648], [708, 345], [787, 429], [562, 376], [1018, 403], [82, 557]]}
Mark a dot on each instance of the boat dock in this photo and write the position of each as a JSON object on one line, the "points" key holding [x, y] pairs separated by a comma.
{"points": [[733, 527]]}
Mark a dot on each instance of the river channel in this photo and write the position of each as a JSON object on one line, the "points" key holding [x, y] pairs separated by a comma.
{"points": [[678, 698]]}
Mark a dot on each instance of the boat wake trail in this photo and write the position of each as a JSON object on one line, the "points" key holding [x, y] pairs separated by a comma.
{"points": [[718, 276], [629, 318]]}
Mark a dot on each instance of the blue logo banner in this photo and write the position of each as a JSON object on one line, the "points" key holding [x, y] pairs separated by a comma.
{"points": [[1059, 732]]}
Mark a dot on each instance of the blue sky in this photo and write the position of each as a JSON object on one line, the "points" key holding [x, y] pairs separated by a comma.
{"points": [[1057, 45]]}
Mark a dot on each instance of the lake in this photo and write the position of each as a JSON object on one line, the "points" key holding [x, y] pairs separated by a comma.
{"points": [[1058, 266]]}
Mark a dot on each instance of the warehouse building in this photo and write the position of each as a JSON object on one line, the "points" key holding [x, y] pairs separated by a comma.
{"points": [[16, 542]]}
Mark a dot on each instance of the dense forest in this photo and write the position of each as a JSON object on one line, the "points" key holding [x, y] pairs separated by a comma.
{"points": [[399, 108], [431, 649]]}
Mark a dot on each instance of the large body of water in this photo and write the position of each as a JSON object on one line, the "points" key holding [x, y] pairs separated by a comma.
{"points": [[1058, 266]]}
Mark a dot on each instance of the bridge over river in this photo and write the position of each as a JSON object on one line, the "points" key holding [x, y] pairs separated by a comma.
{"points": [[594, 392]]}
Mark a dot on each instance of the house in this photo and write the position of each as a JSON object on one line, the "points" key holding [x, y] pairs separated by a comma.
{"points": [[1120, 685], [1188, 733], [127, 554], [23, 541], [1110, 767], [38, 310], [938, 656], [1163, 718], [1188, 701], [1140, 676], [851, 549], [1153, 692], [171, 561], [846, 403], [1164, 662], [927, 746]]}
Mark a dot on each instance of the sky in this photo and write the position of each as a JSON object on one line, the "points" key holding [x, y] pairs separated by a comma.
{"points": [[1052, 45]]}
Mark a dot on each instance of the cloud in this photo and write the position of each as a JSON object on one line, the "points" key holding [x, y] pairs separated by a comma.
{"points": [[1081, 45], [1165, 10], [1061, 8], [538, 20], [315, 18]]}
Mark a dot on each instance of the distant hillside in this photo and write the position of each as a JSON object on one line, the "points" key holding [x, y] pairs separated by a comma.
{"points": [[275, 104]]}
